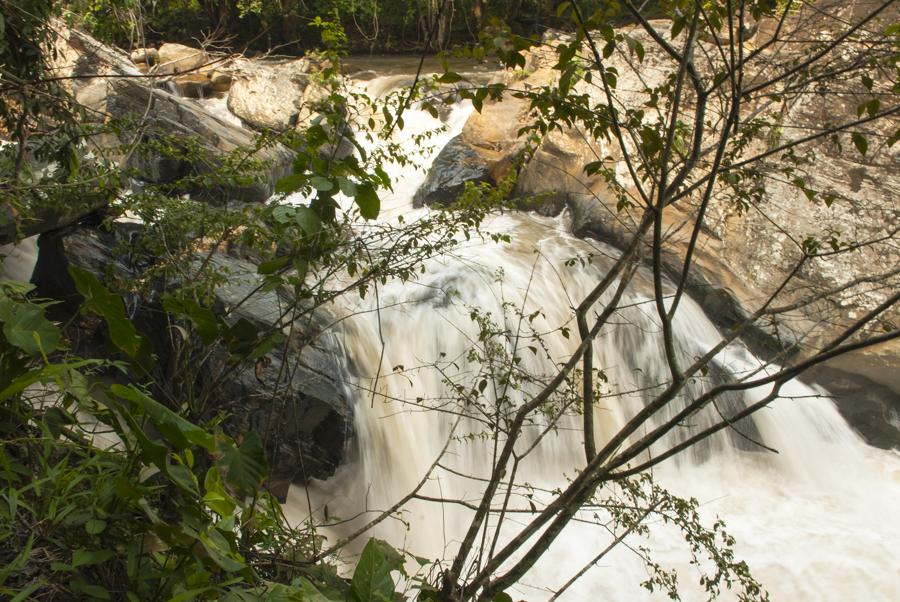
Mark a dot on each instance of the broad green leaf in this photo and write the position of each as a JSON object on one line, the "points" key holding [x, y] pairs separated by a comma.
{"points": [[177, 430], [203, 318], [290, 183], [450, 77], [348, 187], [182, 476], [219, 551], [372, 580], [219, 500], [321, 183], [95, 526], [309, 591], [245, 465], [368, 202], [91, 591], [283, 214], [860, 142], [272, 266], [90, 557], [110, 307], [308, 220], [25, 327]]}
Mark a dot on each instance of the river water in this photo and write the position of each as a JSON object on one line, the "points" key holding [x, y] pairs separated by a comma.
{"points": [[816, 521]]}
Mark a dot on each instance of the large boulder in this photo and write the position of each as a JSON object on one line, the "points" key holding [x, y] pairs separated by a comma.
{"points": [[165, 114], [293, 397], [178, 58], [456, 164], [272, 95], [106, 82]]}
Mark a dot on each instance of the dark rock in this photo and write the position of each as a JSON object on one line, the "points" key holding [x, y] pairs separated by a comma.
{"points": [[292, 397], [455, 165], [548, 204], [866, 390]]}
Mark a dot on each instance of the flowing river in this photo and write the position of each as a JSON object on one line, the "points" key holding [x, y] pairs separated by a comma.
{"points": [[816, 521]]}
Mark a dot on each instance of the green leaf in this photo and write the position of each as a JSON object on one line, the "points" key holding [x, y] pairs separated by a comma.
{"points": [[283, 214], [273, 265], [43, 374], [219, 551], [177, 430], [90, 557], [203, 318], [860, 142], [502, 597], [348, 187], [308, 220], [367, 200], [321, 183], [25, 327], [92, 591], [636, 47], [245, 465], [450, 77], [110, 307], [190, 594], [182, 476], [372, 580], [95, 526], [290, 183]]}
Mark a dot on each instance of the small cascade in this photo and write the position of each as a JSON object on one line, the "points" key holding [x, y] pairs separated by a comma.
{"points": [[816, 521]]}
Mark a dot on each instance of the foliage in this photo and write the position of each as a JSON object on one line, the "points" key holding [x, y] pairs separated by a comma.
{"points": [[108, 494], [120, 479]]}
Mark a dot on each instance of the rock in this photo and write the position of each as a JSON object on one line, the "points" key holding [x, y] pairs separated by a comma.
{"points": [[271, 95], [178, 58], [220, 81], [292, 397], [865, 386], [167, 114], [193, 85], [86, 66], [455, 165], [147, 56]]}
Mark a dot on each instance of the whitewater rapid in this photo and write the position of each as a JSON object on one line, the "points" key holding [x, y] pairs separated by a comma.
{"points": [[816, 521]]}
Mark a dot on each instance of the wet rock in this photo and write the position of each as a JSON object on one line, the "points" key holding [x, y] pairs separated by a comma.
{"points": [[193, 85], [220, 81], [865, 386], [456, 165], [293, 397]]}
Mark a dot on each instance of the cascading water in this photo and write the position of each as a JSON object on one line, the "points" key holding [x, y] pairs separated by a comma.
{"points": [[818, 521]]}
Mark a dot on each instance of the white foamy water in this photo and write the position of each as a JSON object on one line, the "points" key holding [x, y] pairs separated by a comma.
{"points": [[818, 521]]}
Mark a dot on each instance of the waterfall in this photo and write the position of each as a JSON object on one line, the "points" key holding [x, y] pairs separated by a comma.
{"points": [[817, 521]]}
